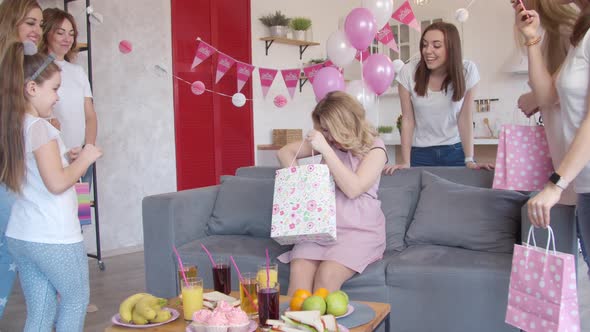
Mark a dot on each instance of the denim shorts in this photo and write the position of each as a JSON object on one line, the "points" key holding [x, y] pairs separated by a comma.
{"points": [[439, 155]]}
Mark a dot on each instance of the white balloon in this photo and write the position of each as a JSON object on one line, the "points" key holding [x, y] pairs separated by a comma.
{"points": [[339, 49], [238, 99], [355, 89], [397, 65], [381, 9], [461, 15]]}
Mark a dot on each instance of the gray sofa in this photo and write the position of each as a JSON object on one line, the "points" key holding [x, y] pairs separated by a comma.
{"points": [[449, 242]]}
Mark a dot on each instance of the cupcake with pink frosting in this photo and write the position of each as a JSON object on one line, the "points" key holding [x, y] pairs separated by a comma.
{"points": [[224, 318], [200, 320], [218, 322], [238, 320]]}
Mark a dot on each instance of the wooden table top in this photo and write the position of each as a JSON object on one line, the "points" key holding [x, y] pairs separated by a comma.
{"points": [[179, 325]]}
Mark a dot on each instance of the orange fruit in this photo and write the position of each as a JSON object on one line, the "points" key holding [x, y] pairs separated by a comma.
{"points": [[296, 303], [322, 292], [302, 293]]}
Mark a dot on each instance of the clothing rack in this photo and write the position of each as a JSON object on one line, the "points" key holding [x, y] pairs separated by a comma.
{"points": [[94, 202]]}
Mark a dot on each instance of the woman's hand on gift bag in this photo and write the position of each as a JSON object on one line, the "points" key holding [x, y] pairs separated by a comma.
{"points": [[474, 165], [318, 141], [539, 206], [527, 104]]}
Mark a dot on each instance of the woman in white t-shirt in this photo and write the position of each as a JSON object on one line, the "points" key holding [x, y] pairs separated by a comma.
{"points": [[75, 110], [436, 96], [571, 89], [43, 233]]}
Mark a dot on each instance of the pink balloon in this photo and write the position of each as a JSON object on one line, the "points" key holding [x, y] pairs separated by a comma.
{"points": [[197, 88], [328, 79], [378, 73], [360, 28]]}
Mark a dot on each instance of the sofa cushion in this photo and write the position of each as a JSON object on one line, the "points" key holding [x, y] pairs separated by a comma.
{"points": [[456, 215], [243, 207], [397, 204]]}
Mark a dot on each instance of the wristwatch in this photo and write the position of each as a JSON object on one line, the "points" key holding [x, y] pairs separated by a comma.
{"points": [[557, 180], [469, 160]]}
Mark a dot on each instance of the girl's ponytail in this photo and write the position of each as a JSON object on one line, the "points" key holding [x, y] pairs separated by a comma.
{"points": [[12, 113]]}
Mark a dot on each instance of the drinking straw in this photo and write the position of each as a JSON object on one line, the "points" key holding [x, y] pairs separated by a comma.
{"points": [[209, 254], [267, 269], [181, 266], [242, 281]]}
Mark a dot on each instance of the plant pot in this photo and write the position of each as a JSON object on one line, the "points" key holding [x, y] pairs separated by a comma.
{"points": [[278, 31], [299, 34]]}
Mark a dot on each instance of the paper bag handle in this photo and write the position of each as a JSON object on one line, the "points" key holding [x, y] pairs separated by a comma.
{"points": [[550, 238], [299, 150]]}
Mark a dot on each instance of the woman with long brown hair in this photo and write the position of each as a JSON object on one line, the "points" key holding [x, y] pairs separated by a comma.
{"points": [[355, 157], [570, 88], [20, 20], [436, 95]]}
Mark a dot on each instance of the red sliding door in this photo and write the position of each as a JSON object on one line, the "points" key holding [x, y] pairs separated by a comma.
{"points": [[213, 137]]}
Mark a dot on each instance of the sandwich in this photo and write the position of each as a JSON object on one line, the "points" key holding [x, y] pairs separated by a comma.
{"points": [[309, 321]]}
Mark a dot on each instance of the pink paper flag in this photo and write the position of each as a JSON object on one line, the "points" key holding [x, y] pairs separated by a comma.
{"points": [[405, 15], [224, 63], [366, 53], [311, 71], [204, 51], [329, 63], [267, 76], [386, 37], [244, 72], [291, 78]]}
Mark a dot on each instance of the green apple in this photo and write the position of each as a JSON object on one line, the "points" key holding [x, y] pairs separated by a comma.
{"points": [[314, 303], [337, 304], [343, 293]]}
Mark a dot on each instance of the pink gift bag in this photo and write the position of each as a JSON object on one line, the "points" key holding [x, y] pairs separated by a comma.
{"points": [[543, 293], [523, 161], [304, 205]]}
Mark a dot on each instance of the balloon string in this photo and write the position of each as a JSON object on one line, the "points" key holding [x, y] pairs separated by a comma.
{"points": [[470, 3]]}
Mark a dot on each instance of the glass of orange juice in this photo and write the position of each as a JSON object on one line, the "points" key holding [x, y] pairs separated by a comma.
{"points": [[273, 272], [192, 296]]}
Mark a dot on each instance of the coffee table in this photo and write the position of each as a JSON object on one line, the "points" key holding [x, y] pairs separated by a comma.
{"points": [[382, 311]]}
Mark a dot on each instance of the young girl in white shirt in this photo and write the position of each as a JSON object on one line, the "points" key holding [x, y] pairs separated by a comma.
{"points": [[43, 232], [570, 87], [436, 96]]}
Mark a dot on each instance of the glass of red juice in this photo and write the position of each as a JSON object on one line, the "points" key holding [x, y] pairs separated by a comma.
{"points": [[268, 302], [222, 275]]}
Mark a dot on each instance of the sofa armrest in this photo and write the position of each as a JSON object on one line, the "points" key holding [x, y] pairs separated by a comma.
{"points": [[563, 223], [172, 219]]}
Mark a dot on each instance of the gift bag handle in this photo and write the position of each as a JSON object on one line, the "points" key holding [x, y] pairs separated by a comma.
{"points": [[299, 150], [550, 239]]}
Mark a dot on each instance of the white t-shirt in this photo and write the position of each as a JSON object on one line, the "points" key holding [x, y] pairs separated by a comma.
{"points": [[436, 113], [572, 88], [37, 214], [69, 110]]}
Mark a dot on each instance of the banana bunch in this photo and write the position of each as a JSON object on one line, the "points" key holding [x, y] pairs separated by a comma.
{"points": [[143, 308]]}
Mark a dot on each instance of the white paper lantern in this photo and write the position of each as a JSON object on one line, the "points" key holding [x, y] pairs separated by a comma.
{"points": [[238, 99], [461, 15]]}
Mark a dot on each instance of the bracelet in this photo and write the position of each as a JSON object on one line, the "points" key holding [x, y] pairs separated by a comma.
{"points": [[533, 42]]}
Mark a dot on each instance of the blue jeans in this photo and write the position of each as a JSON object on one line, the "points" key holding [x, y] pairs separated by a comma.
{"points": [[439, 155], [7, 266], [45, 270], [583, 223]]}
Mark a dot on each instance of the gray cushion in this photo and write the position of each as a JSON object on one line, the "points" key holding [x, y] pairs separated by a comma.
{"points": [[456, 215], [397, 204], [243, 207]]}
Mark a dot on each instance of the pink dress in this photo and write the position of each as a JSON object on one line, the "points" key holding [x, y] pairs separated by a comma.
{"points": [[360, 238]]}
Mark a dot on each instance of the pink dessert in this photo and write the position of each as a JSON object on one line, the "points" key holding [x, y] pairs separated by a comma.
{"points": [[238, 320], [224, 318]]}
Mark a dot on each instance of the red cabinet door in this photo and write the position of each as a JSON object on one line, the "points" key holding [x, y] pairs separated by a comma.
{"points": [[213, 137]]}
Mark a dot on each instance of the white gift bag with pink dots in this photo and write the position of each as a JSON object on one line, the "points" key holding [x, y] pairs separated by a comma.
{"points": [[304, 205], [543, 293], [523, 161]]}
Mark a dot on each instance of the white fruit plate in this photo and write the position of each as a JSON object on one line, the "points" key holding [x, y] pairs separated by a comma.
{"points": [[117, 320], [347, 313]]}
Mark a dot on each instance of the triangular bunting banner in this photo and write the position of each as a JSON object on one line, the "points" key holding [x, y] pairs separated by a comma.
{"points": [[311, 71], [365, 54], [224, 63], [244, 72], [386, 37], [267, 76], [291, 78], [405, 15], [204, 51]]}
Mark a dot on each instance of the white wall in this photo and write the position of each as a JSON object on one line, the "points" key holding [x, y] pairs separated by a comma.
{"points": [[135, 113], [487, 37]]}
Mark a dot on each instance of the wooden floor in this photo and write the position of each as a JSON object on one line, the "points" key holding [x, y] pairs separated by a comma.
{"points": [[124, 275]]}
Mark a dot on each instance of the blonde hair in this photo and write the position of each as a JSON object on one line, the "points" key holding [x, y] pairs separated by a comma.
{"points": [[12, 14], [344, 117]]}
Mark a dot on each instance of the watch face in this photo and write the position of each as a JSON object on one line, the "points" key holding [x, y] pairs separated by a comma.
{"points": [[554, 178]]}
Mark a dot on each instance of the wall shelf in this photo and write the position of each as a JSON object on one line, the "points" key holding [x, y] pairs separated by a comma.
{"points": [[303, 45]]}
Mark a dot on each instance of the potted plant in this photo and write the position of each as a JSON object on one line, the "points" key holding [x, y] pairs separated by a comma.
{"points": [[386, 132], [299, 26], [277, 22], [398, 123]]}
